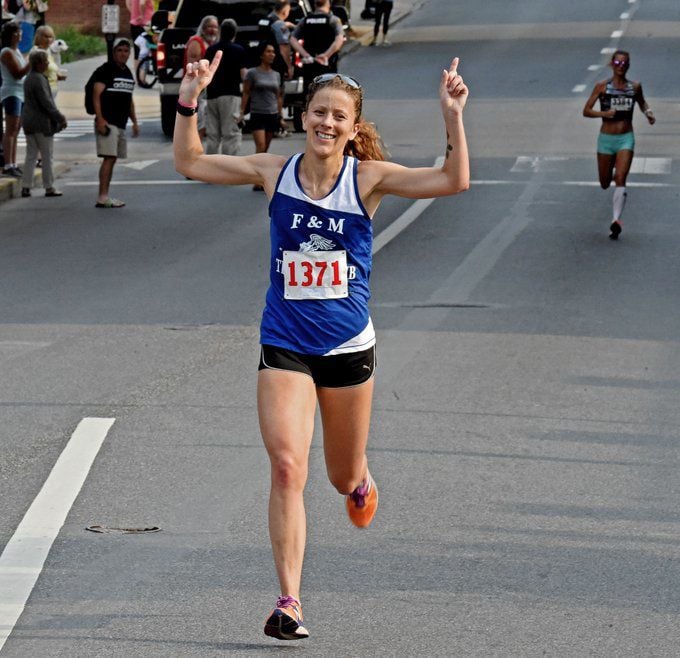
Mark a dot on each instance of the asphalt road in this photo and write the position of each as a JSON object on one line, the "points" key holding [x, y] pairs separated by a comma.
{"points": [[525, 431]]}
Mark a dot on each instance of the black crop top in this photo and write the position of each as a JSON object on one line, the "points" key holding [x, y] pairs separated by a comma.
{"points": [[621, 100]]}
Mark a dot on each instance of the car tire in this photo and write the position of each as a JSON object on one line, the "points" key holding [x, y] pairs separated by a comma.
{"points": [[168, 113]]}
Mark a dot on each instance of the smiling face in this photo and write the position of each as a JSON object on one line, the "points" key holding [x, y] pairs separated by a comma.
{"points": [[330, 120]]}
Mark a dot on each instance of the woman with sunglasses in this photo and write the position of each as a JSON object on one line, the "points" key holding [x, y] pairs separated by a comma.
{"points": [[318, 342], [616, 142]]}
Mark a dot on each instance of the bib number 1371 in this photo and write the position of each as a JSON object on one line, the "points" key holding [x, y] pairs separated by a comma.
{"points": [[315, 274]]}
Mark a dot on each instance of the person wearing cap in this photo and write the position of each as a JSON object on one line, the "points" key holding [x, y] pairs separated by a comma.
{"points": [[113, 107]]}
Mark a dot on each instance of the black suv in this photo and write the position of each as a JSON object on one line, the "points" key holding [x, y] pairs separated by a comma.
{"points": [[248, 14]]}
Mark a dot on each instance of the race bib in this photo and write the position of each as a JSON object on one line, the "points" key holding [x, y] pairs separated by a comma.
{"points": [[622, 103], [314, 274]]}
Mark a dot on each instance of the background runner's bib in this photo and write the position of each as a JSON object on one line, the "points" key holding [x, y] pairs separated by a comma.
{"points": [[621, 100]]}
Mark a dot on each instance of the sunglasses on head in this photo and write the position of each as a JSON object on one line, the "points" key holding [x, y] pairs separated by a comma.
{"points": [[327, 77], [620, 62]]}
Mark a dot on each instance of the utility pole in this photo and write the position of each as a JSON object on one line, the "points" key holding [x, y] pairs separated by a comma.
{"points": [[110, 24]]}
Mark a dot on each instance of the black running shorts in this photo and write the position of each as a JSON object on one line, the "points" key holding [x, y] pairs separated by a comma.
{"points": [[335, 371]]}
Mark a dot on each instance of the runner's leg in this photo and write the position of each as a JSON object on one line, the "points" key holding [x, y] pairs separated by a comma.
{"points": [[624, 159], [346, 417], [286, 403], [605, 169]]}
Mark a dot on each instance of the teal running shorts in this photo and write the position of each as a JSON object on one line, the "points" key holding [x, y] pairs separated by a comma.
{"points": [[612, 144]]}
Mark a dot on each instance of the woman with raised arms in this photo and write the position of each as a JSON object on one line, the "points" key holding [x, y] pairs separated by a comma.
{"points": [[317, 338]]}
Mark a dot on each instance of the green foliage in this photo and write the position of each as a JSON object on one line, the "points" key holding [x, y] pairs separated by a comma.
{"points": [[80, 45]]}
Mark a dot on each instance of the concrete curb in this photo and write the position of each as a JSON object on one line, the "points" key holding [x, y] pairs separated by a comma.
{"points": [[10, 187]]}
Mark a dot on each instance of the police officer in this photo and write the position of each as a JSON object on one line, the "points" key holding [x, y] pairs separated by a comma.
{"points": [[322, 34], [275, 29]]}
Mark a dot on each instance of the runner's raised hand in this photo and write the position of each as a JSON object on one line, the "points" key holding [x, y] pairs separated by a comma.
{"points": [[453, 92], [197, 77]]}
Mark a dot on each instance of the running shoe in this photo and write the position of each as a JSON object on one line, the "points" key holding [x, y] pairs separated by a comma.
{"points": [[362, 503], [285, 621], [614, 229]]}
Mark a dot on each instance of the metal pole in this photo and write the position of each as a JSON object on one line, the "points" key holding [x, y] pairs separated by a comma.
{"points": [[110, 37]]}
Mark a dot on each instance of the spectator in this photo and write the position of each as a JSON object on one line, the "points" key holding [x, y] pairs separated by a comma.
{"points": [[318, 38], [113, 105], [383, 9], [44, 38], [13, 69], [41, 119], [29, 16], [207, 34], [262, 90], [223, 133], [141, 12]]}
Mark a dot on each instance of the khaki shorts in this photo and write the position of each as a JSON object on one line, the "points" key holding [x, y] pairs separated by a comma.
{"points": [[112, 145]]}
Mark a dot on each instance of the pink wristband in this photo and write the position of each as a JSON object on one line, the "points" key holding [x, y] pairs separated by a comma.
{"points": [[189, 107]]}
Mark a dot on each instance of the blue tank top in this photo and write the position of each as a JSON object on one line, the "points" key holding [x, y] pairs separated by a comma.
{"points": [[321, 254], [621, 100]]}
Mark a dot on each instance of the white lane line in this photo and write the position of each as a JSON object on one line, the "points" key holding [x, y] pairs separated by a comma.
{"points": [[625, 16], [121, 183], [617, 34], [578, 89], [576, 183], [24, 556], [595, 67], [607, 51], [644, 165], [140, 164]]}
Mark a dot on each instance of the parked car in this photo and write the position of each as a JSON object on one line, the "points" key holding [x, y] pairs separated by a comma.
{"points": [[249, 16]]}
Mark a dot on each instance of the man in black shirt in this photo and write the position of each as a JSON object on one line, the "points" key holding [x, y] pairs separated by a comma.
{"points": [[224, 93], [113, 106]]}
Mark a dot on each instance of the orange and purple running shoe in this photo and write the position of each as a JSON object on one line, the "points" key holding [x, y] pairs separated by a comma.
{"points": [[285, 621], [362, 503]]}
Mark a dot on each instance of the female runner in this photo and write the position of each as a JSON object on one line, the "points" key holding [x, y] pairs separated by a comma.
{"points": [[616, 142], [318, 342]]}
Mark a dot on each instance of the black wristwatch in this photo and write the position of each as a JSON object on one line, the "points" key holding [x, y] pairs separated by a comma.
{"points": [[186, 111]]}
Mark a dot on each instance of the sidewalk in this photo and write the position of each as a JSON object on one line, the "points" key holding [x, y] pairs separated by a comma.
{"points": [[147, 105]]}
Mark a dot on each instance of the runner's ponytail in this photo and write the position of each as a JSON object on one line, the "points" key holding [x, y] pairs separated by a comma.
{"points": [[368, 144]]}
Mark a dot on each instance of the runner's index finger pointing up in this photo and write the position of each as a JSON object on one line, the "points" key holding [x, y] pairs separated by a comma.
{"points": [[453, 69], [216, 61]]}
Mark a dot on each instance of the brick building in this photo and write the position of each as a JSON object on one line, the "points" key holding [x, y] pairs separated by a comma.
{"points": [[86, 14]]}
